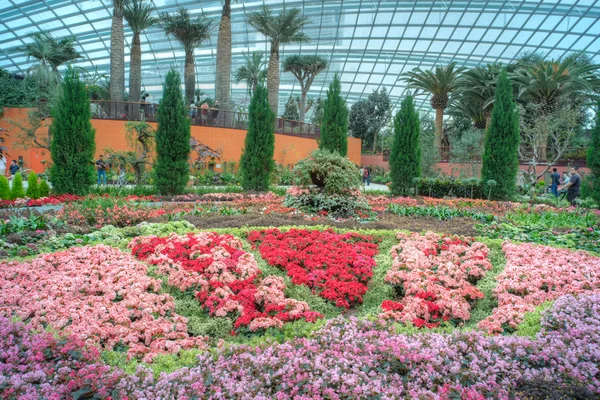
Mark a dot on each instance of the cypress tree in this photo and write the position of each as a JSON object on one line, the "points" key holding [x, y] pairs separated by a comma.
{"points": [[4, 189], [334, 126], [593, 157], [44, 188], [405, 158], [17, 191], [500, 152], [257, 162], [171, 170], [32, 186], [73, 139]]}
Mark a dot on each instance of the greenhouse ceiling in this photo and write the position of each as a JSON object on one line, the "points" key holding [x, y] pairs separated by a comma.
{"points": [[370, 42]]}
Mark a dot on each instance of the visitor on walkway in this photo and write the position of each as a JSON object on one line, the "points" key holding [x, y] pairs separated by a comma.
{"points": [[555, 182], [2, 165], [102, 167], [14, 168], [361, 172], [368, 176], [574, 185], [365, 174], [565, 178]]}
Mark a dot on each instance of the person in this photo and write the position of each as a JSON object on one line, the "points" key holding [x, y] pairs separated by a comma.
{"points": [[361, 172], [365, 174], [193, 110], [574, 185], [101, 165], [565, 178], [555, 177], [368, 176], [2, 165], [14, 168]]}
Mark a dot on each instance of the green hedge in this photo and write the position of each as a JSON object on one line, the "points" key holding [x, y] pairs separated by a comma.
{"points": [[449, 187]]}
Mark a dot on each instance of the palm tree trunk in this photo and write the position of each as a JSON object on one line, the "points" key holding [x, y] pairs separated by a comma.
{"points": [[135, 73], [439, 126], [302, 111], [223, 73], [273, 78], [117, 63], [189, 77]]}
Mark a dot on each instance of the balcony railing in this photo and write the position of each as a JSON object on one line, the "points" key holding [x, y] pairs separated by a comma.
{"points": [[136, 111]]}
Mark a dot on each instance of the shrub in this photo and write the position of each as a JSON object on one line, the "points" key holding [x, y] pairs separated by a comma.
{"points": [[593, 158], [73, 139], [44, 188], [257, 162], [33, 191], [330, 171], [351, 204], [449, 187], [4, 189], [500, 158], [171, 170], [334, 127], [405, 159], [17, 190]]}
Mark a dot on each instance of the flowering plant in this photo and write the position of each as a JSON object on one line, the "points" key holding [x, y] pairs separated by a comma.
{"points": [[435, 276], [337, 266], [225, 279]]}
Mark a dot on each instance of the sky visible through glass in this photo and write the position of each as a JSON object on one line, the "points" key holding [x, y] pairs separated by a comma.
{"points": [[370, 42]]}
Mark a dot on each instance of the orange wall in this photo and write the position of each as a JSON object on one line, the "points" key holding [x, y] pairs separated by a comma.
{"points": [[230, 142]]}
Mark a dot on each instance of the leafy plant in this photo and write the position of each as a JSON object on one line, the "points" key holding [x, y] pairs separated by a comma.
{"points": [[334, 173], [33, 191], [405, 158], [17, 191], [44, 188], [4, 189], [334, 126]]}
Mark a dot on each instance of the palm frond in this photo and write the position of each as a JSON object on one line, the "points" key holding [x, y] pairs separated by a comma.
{"points": [[189, 32], [139, 15]]}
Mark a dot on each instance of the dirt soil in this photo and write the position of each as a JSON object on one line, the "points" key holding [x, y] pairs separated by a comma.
{"points": [[459, 226]]}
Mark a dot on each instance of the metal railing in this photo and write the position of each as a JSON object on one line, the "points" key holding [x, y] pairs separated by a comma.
{"points": [[214, 117]]}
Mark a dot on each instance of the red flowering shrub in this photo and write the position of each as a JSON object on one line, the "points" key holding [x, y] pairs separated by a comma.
{"points": [[42, 201], [337, 266], [118, 215], [435, 275], [225, 279]]}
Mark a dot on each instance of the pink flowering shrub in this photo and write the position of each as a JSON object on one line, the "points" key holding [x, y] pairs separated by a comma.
{"points": [[100, 294], [435, 275], [535, 274], [225, 279], [118, 215]]}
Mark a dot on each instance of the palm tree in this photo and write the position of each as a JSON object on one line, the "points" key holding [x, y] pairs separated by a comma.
{"points": [[440, 85], [49, 54], [190, 33], [280, 29], [305, 69], [139, 17], [477, 87], [253, 72], [223, 72], [117, 54]]}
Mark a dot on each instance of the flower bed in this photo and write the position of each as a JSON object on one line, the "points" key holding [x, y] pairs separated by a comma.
{"points": [[98, 293], [225, 279], [119, 215], [42, 201], [535, 274], [337, 266], [345, 359], [435, 275]]}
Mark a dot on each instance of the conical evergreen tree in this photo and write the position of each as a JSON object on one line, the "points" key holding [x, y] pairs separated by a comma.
{"points": [[16, 190], [405, 158], [4, 188], [73, 139], [334, 127], [291, 110], [32, 186], [257, 162], [593, 157], [500, 152], [44, 188], [171, 170]]}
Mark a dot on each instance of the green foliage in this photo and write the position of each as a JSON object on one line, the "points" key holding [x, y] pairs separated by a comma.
{"points": [[500, 158], [334, 127], [440, 212], [449, 187], [405, 158], [17, 190], [430, 154], [334, 173], [73, 139], [593, 158], [171, 169], [368, 117], [531, 324], [33, 191], [256, 164], [291, 110], [4, 189], [44, 188], [16, 92]]}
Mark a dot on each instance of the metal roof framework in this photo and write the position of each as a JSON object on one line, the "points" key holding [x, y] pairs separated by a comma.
{"points": [[369, 42]]}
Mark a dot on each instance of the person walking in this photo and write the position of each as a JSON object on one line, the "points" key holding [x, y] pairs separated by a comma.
{"points": [[574, 185], [368, 176], [2, 165], [361, 172], [102, 167], [14, 168], [365, 174], [555, 177]]}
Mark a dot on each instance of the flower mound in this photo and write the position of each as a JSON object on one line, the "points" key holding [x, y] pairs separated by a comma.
{"points": [[435, 274], [225, 278], [98, 293], [535, 274], [337, 266]]}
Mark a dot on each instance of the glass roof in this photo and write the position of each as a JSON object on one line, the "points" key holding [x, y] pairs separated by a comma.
{"points": [[370, 42]]}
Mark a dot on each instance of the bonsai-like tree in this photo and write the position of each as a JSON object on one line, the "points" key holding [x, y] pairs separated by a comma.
{"points": [[140, 137], [285, 27], [305, 68], [291, 110], [334, 126], [405, 158]]}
